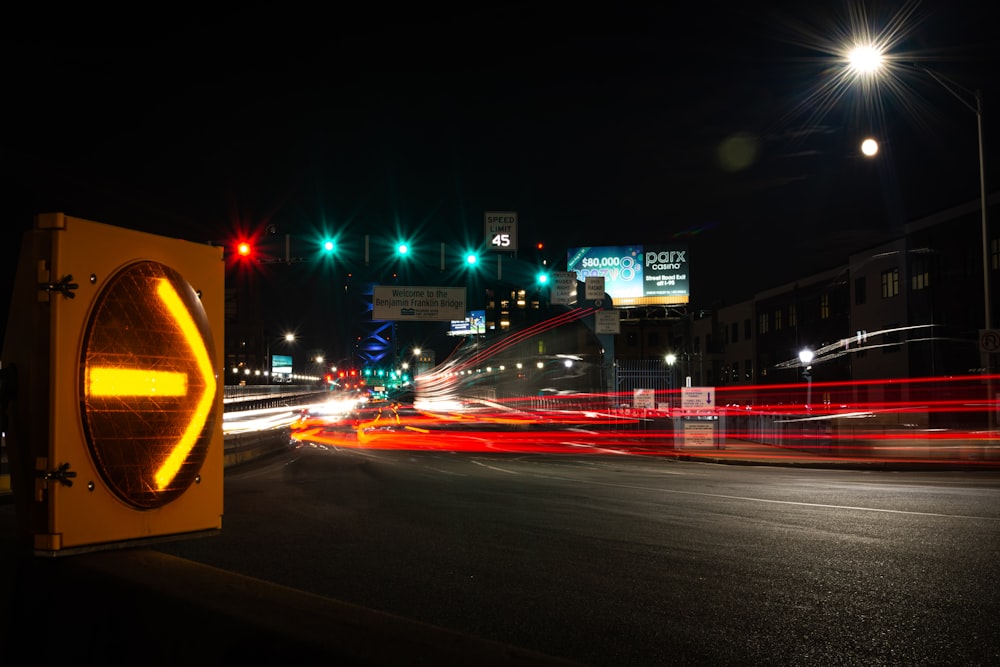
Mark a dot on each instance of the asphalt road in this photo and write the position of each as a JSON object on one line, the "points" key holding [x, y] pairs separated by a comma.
{"points": [[623, 560]]}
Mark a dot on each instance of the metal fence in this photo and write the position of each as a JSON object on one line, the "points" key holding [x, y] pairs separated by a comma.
{"points": [[632, 374]]}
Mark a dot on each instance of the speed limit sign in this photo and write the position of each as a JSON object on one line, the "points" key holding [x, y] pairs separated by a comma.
{"points": [[501, 230]]}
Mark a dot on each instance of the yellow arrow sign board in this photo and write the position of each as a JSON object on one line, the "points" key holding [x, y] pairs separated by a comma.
{"points": [[120, 336]]}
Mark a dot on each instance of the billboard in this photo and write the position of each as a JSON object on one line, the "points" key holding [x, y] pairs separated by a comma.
{"points": [[636, 274], [474, 323], [281, 367]]}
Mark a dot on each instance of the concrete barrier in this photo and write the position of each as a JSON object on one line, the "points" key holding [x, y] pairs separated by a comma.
{"points": [[243, 447]]}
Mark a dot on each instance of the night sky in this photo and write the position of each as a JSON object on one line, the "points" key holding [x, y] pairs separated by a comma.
{"points": [[602, 126]]}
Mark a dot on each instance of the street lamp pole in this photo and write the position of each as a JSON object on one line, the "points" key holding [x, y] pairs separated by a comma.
{"points": [[671, 359], [869, 60], [805, 358], [977, 109]]}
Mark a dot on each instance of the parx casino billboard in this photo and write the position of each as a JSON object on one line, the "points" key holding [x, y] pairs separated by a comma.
{"points": [[636, 274]]}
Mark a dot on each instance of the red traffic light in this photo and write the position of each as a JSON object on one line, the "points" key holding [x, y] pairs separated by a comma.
{"points": [[244, 249]]}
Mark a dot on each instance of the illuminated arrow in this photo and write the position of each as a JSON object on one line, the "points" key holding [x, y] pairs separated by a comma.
{"points": [[166, 473], [128, 382]]}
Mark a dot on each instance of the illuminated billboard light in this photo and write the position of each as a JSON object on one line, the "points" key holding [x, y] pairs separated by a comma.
{"points": [[636, 274], [281, 364], [474, 324]]}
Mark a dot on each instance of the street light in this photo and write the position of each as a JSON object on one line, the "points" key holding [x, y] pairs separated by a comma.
{"points": [[869, 61]]}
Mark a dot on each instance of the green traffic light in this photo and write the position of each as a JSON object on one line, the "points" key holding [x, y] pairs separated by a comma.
{"points": [[543, 278]]}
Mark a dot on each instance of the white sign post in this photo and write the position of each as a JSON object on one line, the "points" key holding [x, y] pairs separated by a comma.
{"points": [[644, 399], [698, 399], [699, 433], [563, 287], [501, 230], [607, 322], [594, 288]]}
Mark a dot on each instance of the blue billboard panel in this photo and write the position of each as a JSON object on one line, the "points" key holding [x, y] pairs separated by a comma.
{"points": [[621, 267], [281, 365], [654, 273]]}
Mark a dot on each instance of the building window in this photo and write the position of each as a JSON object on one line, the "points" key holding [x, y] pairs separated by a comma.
{"points": [[748, 370], [735, 337], [920, 274], [747, 329], [777, 320], [824, 307], [860, 297], [890, 283], [762, 324], [793, 315], [736, 371]]}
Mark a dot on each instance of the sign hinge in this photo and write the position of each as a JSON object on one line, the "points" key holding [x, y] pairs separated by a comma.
{"points": [[62, 474], [64, 287]]}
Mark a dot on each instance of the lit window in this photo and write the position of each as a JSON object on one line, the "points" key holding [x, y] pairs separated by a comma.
{"points": [[920, 276], [890, 283]]}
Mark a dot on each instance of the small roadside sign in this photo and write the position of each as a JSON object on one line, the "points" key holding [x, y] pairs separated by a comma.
{"points": [[594, 288], [698, 398], [563, 287], [607, 322], [644, 399], [989, 340]]}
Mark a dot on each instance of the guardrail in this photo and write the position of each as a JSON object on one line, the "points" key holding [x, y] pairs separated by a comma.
{"points": [[238, 397]]}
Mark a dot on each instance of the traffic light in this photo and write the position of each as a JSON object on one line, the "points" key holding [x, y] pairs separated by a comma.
{"points": [[540, 254], [116, 426], [327, 246], [542, 278], [244, 249]]}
